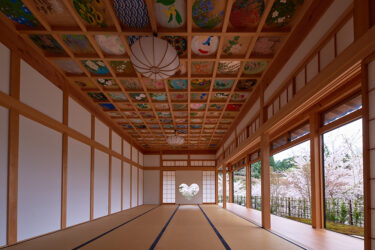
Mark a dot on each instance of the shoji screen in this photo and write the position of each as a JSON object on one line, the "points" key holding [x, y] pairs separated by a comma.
{"points": [[208, 186], [169, 179]]}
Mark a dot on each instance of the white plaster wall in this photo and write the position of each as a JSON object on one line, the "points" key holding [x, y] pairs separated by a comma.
{"points": [[116, 185], [127, 149], [151, 184], [101, 133], [140, 181], [202, 157], [219, 152], [39, 179], [4, 69], [101, 175], [345, 36], [320, 29], [141, 159], [116, 142], [126, 186], [134, 154], [4, 119], [151, 161], [229, 140], [39, 93], [175, 157], [249, 115], [79, 118], [134, 186], [189, 177], [78, 182]]}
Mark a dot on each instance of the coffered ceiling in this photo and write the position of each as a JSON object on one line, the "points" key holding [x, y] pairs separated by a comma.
{"points": [[224, 47]]}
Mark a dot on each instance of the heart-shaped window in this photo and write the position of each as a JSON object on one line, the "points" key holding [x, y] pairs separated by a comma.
{"points": [[188, 191]]}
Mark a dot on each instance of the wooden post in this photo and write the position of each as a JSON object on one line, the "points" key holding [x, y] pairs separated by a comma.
{"points": [[92, 167], [13, 142], [122, 174], [64, 166], [161, 178], [248, 183], [131, 175], [230, 184], [216, 186], [317, 213], [224, 186], [361, 16], [265, 186]]}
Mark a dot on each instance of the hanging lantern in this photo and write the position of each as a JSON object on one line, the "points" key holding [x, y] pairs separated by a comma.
{"points": [[175, 140], [154, 58]]}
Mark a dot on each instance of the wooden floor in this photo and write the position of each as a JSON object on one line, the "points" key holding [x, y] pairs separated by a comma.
{"points": [[301, 233], [163, 227]]}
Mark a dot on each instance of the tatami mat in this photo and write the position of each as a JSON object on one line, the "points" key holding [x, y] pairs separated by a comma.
{"points": [[138, 234], [241, 234], [189, 229], [76, 235]]}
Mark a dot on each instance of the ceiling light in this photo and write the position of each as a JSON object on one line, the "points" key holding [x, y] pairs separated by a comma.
{"points": [[154, 58], [175, 140]]}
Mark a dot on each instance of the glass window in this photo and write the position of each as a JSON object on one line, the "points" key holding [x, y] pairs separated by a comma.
{"points": [[343, 179], [255, 182], [342, 110], [291, 183], [239, 186]]}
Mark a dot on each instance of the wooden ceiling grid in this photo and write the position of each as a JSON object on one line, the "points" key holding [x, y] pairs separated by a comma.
{"points": [[137, 122]]}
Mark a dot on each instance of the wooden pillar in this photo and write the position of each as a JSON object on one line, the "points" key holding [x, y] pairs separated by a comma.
{"points": [[161, 178], [64, 166], [92, 167], [265, 186], [361, 15], [131, 175], [317, 208], [122, 174], [230, 184], [224, 186], [248, 183], [13, 142], [138, 179], [216, 186]]}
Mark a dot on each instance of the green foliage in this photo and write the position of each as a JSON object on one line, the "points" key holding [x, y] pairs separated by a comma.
{"points": [[166, 2], [343, 212]]}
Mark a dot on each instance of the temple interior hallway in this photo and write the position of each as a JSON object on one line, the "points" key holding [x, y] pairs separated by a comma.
{"points": [[163, 227]]}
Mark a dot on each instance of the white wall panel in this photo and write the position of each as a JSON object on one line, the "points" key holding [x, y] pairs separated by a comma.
{"points": [[336, 9], [4, 119], [140, 181], [151, 160], [327, 53], [312, 68], [141, 159], [134, 186], [151, 184], [116, 142], [101, 175], [78, 182], [4, 69], [134, 154], [126, 186], [345, 36], [174, 157], [127, 149], [116, 185], [39, 179], [79, 118], [101, 132], [39, 93], [202, 157]]}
